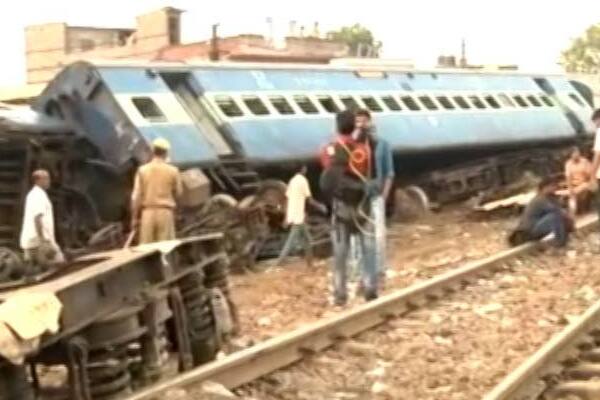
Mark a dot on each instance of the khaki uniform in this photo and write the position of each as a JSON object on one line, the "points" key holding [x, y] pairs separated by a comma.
{"points": [[157, 185]]}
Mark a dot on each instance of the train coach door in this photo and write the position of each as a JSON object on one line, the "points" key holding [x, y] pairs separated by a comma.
{"points": [[192, 102], [575, 122]]}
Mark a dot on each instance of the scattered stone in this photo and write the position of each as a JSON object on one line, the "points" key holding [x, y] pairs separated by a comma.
{"points": [[379, 388], [176, 394], [215, 391], [264, 321], [378, 372], [358, 348], [487, 309]]}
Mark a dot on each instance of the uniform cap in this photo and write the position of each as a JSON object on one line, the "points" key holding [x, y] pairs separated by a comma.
{"points": [[161, 143]]}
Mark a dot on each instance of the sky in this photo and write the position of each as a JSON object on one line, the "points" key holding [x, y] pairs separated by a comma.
{"points": [[530, 33]]}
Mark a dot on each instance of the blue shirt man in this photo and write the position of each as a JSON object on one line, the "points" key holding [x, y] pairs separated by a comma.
{"points": [[383, 176]]}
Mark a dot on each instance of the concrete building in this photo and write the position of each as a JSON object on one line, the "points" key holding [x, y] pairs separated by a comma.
{"points": [[157, 37], [50, 46]]}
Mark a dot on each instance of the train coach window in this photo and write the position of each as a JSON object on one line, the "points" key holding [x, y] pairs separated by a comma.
{"points": [[547, 101], [534, 101], [255, 105], [505, 100], [349, 102], [428, 102], [445, 102], [148, 109], [576, 99], [281, 105], [462, 102], [371, 103], [491, 101], [305, 104], [328, 104], [391, 103], [228, 106], [477, 102], [410, 103], [520, 101]]}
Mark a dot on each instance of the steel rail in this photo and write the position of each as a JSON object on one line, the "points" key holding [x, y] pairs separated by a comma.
{"points": [[526, 381], [263, 358]]}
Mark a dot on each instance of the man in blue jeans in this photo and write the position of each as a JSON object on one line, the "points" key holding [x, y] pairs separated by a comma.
{"points": [[383, 176], [349, 191], [543, 216]]}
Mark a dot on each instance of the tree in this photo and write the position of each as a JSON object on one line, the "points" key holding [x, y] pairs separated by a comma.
{"points": [[584, 53], [359, 39]]}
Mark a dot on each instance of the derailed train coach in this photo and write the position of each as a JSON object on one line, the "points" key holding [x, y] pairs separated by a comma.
{"points": [[265, 117], [246, 127]]}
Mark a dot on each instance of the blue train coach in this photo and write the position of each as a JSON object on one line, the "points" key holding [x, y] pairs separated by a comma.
{"points": [[261, 118]]}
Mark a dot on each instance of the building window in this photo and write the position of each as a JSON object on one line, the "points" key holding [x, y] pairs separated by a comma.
{"points": [[328, 104], [255, 105], [547, 101], [148, 109], [174, 29], [534, 101], [228, 106], [349, 102], [86, 44], [371, 103], [505, 100], [445, 102], [491, 101], [477, 102], [462, 102], [576, 99], [520, 101], [281, 105], [305, 104]]}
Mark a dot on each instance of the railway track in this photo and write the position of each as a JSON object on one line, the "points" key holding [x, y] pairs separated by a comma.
{"points": [[566, 367], [250, 364]]}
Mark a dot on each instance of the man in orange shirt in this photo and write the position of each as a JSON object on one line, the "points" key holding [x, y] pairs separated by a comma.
{"points": [[578, 172]]}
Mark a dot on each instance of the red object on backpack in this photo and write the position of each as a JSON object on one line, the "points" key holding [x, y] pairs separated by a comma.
{"points": [[356, 156]]}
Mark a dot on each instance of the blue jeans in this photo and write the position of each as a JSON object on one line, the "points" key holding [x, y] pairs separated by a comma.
{"points": [[553, 222], [378, 217], [340, 238], [297, 231]]}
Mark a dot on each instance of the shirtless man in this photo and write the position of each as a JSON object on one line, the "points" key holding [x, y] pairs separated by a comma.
{"points": [[578, 171]]}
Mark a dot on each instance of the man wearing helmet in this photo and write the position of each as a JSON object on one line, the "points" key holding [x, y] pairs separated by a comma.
{"points": [[153, 201]]}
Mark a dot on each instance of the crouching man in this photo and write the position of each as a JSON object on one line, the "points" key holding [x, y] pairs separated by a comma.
{"points": [[542, 216]]}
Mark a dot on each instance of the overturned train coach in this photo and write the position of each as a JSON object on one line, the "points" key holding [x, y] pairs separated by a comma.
{"points": [[242, 122], [244, 126]]}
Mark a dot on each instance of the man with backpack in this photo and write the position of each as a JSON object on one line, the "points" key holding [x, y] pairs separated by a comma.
{"points": [[346, 183]]}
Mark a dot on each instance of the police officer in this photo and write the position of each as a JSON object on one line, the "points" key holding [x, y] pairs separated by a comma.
{"points": [[153, 201]]}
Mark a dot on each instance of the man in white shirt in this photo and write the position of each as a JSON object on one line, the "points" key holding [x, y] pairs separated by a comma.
{"points": [[37, 233], [298, 193]]}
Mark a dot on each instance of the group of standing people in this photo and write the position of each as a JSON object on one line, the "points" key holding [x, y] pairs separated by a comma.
{"points": [[357, 179]]}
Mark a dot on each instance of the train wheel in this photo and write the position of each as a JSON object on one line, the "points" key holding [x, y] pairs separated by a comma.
{"points": [[271, 196], [10, 264], [410, 203]]}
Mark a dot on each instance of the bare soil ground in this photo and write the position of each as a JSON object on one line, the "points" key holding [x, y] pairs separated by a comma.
{"points": [[456, 348], [277, 299]]}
